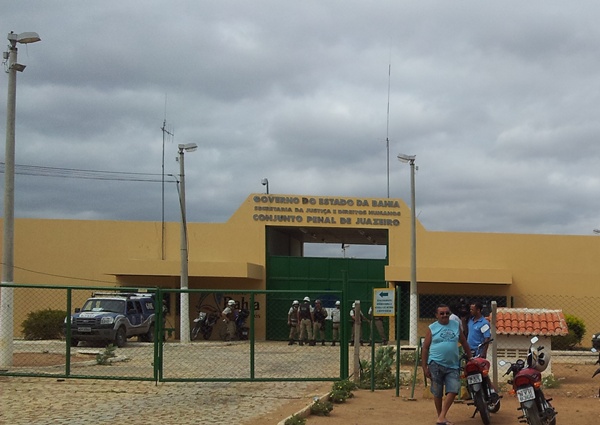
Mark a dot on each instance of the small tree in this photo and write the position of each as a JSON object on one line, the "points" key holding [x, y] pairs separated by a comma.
{"points": [[574, 337], [44, 324]]}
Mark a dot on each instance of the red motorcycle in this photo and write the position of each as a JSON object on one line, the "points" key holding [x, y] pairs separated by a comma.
{"points": [[527, 385], [476, 372]]}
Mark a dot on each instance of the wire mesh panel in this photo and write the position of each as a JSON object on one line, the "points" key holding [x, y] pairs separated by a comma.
{"points": [[104, 327]]}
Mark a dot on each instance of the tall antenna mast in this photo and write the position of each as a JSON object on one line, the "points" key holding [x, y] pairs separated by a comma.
{"points": [[387, 131], [164, 132]]}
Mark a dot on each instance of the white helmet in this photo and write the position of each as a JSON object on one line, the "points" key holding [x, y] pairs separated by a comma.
{"points": [[337, 303], [540, 359], [231, 302], [296, 302], [306, 299]]}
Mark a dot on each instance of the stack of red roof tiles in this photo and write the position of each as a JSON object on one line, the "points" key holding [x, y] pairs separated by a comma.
{"points": [[530, 321]]}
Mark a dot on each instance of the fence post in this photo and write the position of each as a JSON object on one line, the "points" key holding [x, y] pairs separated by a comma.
{"points": [[344, 351], [68, 333], [494, 344], [356, 329]]}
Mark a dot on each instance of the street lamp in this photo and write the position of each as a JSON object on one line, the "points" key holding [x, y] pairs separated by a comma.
{"points": [[265, 182], [8, 238], [184, 299], [414, 315]]}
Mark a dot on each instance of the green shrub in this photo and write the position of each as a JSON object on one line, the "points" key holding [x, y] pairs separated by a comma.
{"points": [[44, 324], [576, 332], [408, 357], [321, 408], [295, 420], [344, 385], [384, 366]]}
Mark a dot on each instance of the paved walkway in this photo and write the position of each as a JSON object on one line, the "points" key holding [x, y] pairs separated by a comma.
{"points": [[75, 402]]}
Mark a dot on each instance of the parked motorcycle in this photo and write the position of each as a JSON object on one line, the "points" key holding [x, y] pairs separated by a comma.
{"points": [[240, 324], [204, 324], [476, 371], [527, 384], [241, 330]]}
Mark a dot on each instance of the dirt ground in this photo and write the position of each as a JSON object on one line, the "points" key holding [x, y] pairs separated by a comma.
{"points": [[383, 407], [576, 402], [45, 359]]}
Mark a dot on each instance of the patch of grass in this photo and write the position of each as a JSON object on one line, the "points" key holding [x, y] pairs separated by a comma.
{"points": [[108, 353], [550, 381]]}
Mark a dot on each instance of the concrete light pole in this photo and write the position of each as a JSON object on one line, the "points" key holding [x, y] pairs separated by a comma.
{"points": [[184, 300], [414, 307], [8, 238]]}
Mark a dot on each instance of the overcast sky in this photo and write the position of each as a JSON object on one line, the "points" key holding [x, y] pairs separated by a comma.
{"points": [[499, 101]]}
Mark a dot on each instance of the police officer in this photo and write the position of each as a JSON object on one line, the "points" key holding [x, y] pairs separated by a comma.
{"points": [[293, 322], [305, 318], [379, 326], [228, 315], [319, 315], [335, 319]]}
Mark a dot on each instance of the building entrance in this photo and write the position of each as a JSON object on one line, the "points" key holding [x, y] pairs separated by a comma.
{"points": [[313, 277]]}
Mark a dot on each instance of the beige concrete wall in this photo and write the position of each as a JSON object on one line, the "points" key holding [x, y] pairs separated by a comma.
{"points": [[231, 255]]}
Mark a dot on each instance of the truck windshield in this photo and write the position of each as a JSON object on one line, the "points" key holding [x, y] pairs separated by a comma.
{"points": [[115, 306]]}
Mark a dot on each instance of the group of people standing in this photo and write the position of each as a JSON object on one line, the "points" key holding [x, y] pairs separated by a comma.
{"points": [[307, 323], [440, 353]]}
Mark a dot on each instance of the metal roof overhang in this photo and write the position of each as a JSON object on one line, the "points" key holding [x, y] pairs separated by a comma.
{"points": [[447, 275], [195, 269]]}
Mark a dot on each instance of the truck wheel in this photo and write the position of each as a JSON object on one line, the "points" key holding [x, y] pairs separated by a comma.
{"points": [[120, 337], [149, 337], [74, 342]]}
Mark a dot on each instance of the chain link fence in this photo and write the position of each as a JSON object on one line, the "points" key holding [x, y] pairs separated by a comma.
{"points": [[133, 333], [260, 350]]}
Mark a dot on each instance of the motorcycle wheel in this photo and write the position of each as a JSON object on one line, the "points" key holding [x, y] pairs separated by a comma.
{"points": [[482, 407], [494, 408], [207, 333], [547, 407], [532, 415], [195, 332]]}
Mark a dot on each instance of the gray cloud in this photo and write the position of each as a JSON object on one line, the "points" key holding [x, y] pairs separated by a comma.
{"points": [[498, 101]]}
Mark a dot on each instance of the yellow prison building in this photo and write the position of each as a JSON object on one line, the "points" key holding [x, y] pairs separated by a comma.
{"points": [[262, 244]]}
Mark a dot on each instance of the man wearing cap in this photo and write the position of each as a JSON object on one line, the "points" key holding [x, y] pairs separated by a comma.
{"points": [[319, 315], [305, 318], [335, 319], [293, 322]]}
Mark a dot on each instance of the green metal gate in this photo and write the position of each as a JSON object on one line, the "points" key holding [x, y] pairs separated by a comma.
{"points": [[311, 276]]}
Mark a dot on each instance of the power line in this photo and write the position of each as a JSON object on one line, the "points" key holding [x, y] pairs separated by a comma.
{"points": [[76, 173], [63, 276]]}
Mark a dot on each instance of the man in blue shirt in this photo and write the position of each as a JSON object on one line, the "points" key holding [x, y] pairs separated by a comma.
{"points": [[475, 336], [441, 362]]}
